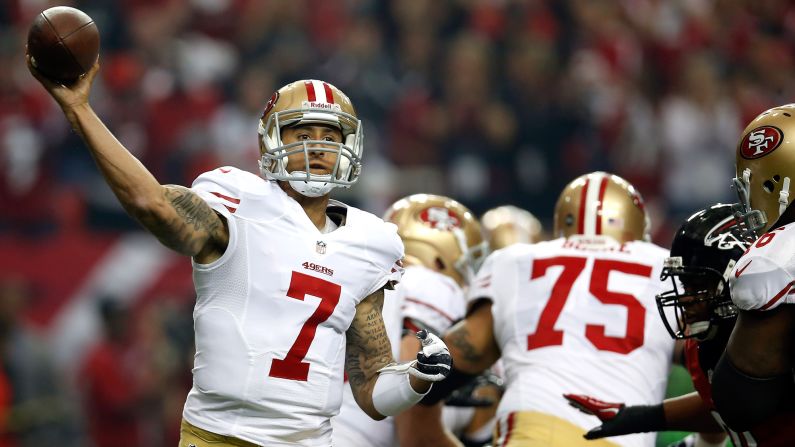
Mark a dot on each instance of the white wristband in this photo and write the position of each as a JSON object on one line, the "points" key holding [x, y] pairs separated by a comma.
{"points": [[393, 393]]}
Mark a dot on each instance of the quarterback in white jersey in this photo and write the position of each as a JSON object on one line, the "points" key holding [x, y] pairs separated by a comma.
{"points": [[577, 312], [289, 283], [270, 330], [753, 380], [443, 244]]}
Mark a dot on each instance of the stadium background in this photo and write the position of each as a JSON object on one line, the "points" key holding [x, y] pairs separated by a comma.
{"points": [[489, 101]]}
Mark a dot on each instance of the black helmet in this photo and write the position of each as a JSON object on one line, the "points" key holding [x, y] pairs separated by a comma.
{"points": [[703, 252]]}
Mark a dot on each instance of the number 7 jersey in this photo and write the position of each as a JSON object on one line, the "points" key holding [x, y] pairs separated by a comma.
{"points": [[271, 314], [578, 316]]}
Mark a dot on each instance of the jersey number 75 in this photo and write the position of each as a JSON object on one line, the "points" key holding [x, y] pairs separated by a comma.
{"points": [[573, 266]]}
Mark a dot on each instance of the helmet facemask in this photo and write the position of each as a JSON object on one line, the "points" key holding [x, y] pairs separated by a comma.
{"points": [[699, 297], [471, 258], [274, 159], [753, 221]]}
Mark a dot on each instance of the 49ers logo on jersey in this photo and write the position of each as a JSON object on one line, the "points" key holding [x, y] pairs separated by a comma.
{"points": [[440, 218], [760, 142]]}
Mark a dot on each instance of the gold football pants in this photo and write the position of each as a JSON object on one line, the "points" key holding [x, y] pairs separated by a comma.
{"points": [[534, 429], [192, 436]]}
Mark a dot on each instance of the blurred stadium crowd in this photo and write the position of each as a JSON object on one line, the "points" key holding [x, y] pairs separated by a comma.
{"points": [[487, 101]]}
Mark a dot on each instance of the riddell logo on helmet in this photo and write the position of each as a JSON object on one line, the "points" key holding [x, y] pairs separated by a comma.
{"points": [[321, 105], [760, 142]]}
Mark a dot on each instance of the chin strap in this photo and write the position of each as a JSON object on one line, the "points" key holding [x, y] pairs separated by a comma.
{"points": [[783, 197], [311, 188]]}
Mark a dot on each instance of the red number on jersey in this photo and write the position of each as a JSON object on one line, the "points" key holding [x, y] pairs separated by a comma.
{"points": [[636, 313], [546, 335], [293, 367], [765, 238]]}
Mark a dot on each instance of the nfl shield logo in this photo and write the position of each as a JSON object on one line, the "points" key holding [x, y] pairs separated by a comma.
{"points": [[320, 247]]}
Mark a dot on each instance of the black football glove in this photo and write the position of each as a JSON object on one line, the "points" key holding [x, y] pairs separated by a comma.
{"points": [[434, 360], [617, 418]]}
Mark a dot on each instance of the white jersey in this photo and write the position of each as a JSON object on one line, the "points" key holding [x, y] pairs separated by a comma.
{"points": [[425, 296], [432, 299], [272, 312], [763, 278], [572, 316]]}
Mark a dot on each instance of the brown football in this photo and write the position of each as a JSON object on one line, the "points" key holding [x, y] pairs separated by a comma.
{"points": [[63, 43]]}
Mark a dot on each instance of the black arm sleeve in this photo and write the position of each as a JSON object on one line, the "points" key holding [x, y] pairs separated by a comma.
{"points": [[440, 390], [742, 400]]}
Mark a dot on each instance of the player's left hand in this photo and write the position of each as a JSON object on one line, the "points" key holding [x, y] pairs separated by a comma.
{"points": [[607, 412], [433, 361]]}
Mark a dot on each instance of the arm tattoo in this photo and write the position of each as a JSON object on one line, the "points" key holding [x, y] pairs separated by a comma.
{"points": [[192, 224], [367, 347], [459, 339]]}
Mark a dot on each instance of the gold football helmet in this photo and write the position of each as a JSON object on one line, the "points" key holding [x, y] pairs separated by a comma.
{"points": [[507, 225], [440, 234], [766, 167], [310, 102], [601, 204]]}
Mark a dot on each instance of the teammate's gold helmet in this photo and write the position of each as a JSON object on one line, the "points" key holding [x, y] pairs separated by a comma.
{"points": [[440, 234], [310, 102], [766, 167], [507, 225], [601, 204]]}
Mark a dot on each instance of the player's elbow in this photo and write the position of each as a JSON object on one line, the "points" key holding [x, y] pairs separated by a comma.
{"points": [[369, 409], [743, 401], [145, 208], [375, 415], [364, 400]]}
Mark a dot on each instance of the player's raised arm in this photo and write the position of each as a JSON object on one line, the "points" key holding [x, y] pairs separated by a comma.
{"points": [[176, 216]]}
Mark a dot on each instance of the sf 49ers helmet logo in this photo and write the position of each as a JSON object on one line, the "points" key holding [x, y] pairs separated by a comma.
{"points": [[271, 103], [440, 218], [760, 142]]}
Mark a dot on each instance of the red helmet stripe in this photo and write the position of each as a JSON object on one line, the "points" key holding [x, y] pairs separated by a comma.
{"points": [[581, 213], [602, 189], [310, 91], [329, 94]]}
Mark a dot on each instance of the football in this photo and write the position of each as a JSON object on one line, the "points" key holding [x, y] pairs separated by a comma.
{"points": [[63, 43]]}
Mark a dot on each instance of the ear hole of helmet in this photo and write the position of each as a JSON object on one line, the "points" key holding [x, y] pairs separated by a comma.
{"points": [[440, 264], [768, 186]]}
